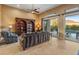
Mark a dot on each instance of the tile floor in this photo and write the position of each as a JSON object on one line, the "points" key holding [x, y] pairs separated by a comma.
{"points": [[52, 47]]}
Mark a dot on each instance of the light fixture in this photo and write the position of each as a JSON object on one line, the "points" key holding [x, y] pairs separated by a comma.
{"points": [[10, 26]]}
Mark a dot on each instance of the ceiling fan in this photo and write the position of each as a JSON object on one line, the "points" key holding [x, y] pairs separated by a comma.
{"points": [[33, 10]]}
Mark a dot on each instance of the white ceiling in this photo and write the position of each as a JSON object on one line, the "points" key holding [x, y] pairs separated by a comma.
{"points": [[27, 7]]}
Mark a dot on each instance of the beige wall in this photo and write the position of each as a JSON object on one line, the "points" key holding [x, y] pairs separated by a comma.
{"points": [[0, 16], [9, 14]]}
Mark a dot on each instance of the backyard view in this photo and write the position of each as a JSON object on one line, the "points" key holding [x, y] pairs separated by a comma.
{"points": [[54, 27], [72, 28]]}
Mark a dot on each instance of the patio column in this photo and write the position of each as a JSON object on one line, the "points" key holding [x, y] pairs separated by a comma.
{"points": [[61, 27]]}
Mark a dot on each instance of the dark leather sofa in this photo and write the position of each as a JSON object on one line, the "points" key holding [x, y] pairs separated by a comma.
{"points": [[31, 39], [9, 37]]}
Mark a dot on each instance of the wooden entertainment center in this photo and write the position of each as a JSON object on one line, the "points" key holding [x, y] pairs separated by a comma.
{"points": [[24, 26]]}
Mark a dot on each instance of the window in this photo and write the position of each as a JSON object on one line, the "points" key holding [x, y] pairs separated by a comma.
{"points": [[72, 27]]}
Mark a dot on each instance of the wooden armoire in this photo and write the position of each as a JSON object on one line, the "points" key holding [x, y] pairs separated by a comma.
{"points": [[24, 26]]}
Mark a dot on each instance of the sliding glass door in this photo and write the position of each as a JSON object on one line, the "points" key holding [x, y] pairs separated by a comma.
{"points": [[54, 26], [51, 25], [46, 25], [72, 26]]}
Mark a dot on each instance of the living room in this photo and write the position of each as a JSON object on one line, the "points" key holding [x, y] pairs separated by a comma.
{"points": [[24, 22]]}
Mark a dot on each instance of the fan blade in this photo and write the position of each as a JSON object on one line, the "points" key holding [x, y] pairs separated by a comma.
{"points": [[37, 11]]}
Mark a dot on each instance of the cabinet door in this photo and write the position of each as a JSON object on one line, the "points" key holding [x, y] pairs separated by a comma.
{"points": [[20, 27], [30, 27]]}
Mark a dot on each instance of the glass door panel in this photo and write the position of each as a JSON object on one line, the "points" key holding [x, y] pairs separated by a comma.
{"points": [[72, 28], [54, 26]]}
